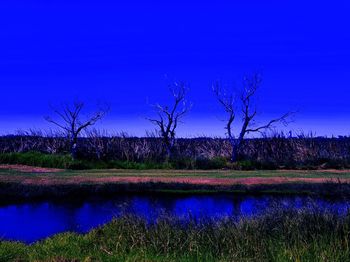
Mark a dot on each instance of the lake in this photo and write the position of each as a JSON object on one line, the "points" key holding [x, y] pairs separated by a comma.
{"points": [[33, 221]]}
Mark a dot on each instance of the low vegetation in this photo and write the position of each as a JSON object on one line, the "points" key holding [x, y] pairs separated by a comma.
{"points": [[339, 159], [279, 235], [66, 162]]}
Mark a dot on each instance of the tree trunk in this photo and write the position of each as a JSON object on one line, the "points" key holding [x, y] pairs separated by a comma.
{"points": [[169, 144], [234, 154], [167, 154], [73, 148], [236, 146]]}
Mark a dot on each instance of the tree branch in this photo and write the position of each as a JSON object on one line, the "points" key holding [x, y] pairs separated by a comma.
{"points": [[283, 119]]}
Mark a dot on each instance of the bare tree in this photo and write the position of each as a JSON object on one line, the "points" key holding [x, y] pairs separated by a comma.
{"points": [[70, 121], [169, 117], [228, 102]]}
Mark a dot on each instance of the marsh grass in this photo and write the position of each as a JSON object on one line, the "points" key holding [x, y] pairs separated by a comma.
{"points": [[309, 234]]}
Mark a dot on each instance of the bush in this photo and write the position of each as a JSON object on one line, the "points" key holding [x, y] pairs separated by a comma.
{"points": [[140, 166], [215, 163], [183, 163]]}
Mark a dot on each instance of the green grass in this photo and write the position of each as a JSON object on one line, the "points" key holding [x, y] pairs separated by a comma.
{"points": [[208, 174], [186, 173], [304, 235], [66, 162], [37, 159]]}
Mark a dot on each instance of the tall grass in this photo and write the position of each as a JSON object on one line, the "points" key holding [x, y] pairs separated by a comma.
{"points": [[281, 235], [37, 159], [66, 162]]}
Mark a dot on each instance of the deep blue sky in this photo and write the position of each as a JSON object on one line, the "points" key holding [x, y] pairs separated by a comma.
{"points": [[127, 53]]}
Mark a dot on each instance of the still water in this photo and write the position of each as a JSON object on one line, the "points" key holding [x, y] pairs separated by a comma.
{"points": [[32, 221]]}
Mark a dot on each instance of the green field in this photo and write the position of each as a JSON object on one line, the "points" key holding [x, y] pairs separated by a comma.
{"points": [[184, 173]]}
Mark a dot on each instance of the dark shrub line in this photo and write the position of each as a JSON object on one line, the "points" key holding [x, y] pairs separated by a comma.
{"points": [[277, 151]]}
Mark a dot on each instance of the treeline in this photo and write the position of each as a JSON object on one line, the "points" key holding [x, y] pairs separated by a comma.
{"points": [[85, 145], [68, 118], [269, 152]]}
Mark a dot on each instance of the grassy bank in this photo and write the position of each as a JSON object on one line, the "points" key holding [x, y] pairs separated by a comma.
{"points": [[17, 191], [30, 183], [304, 235]]}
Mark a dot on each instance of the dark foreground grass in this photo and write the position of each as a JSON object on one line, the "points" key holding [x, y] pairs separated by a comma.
{"points": [[281, 235]]}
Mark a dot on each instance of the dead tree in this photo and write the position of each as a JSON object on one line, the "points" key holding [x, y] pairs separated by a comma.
{"points": [[169, 117], [71, 123], [228, 102]]}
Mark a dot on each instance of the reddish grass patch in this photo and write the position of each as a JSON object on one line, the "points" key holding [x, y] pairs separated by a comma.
{"points": [[326, 171], [45, 180], [144, 178]]}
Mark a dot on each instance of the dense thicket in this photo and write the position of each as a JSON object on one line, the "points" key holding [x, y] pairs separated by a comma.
{"points": [[268, 152]]}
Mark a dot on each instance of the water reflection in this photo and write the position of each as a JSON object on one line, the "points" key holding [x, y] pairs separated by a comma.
{"points": [[29, 222]]}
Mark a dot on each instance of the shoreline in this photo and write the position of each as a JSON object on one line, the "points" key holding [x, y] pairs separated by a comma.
{"points": [[17, 191]]}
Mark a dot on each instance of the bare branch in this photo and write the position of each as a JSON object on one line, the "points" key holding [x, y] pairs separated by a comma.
{"points": [[228, 103], [250, 86], [170, 116], [48, 119], [71, 122], [284, 119]]}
